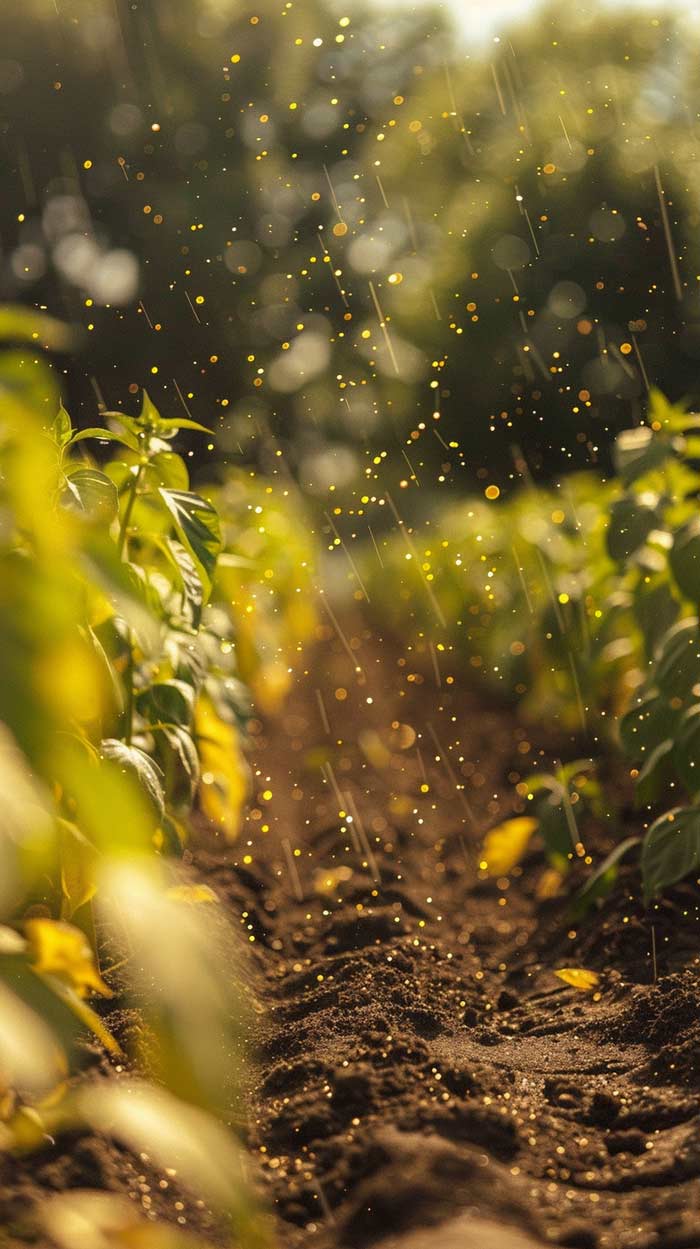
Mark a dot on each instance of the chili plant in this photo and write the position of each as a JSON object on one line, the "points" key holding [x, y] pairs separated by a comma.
{"points": [[520, 590], [119, 707], [656, 530], [577, 602]]}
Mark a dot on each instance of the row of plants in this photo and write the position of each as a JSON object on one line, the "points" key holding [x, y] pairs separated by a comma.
{"points": [[131, 609], [581, 604]]}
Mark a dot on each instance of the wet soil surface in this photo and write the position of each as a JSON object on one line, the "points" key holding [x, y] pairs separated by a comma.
{"points": [[89, 1161], [424, 1078]]}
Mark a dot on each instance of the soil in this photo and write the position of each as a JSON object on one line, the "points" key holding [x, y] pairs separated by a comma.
{"points": [[89, 1161], [422, 1077]]}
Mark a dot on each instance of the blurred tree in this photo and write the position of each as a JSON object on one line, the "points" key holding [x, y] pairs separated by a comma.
{"points": [[315, 228], [562, 176], [173, 178]]}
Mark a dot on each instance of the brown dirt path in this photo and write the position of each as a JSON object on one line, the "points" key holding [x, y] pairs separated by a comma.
{"points": [[424, 1078]]}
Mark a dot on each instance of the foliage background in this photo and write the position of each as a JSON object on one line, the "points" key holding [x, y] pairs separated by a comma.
{"points": [[193, 183]]}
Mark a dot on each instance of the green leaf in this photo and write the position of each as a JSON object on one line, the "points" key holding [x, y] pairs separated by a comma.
{"points": [[149, 416], [136, 762], [655, 774], [230, 697], [601, 880], [684, 559], [130, 423], [646, 724], [62, 427], [678, 660], [169, 470], [109, 669], [197, 525], [167, 702], [165, 427], [188, 662], [170, 425], [673, 416], [181, 746], [107, 435], [190, 580], [154, 589], [632, 519], [22, 325], [539, 781], [100, 563], [91, 492], [671, 849], [112, 805], [556, 831], [687, 750], [689, 446], [655, 609], [120, 472], [174, 835], [577, 767], [639, 451]]}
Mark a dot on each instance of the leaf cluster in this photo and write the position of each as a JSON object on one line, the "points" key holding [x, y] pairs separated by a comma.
{"points": [[121, 710]]}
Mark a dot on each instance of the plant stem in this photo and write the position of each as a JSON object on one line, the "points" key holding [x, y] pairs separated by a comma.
{"points": [[129, 708], [122, 541], [123, 528]]}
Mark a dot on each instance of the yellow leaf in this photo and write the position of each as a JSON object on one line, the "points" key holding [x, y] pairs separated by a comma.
{"points": [[78, 866], [579, 978], [25, 1129], [87, 1016], [82, 1216], [191, 893], [549, 884], [505, 845], [224, 784], [88, 1219], [62, 950]]}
